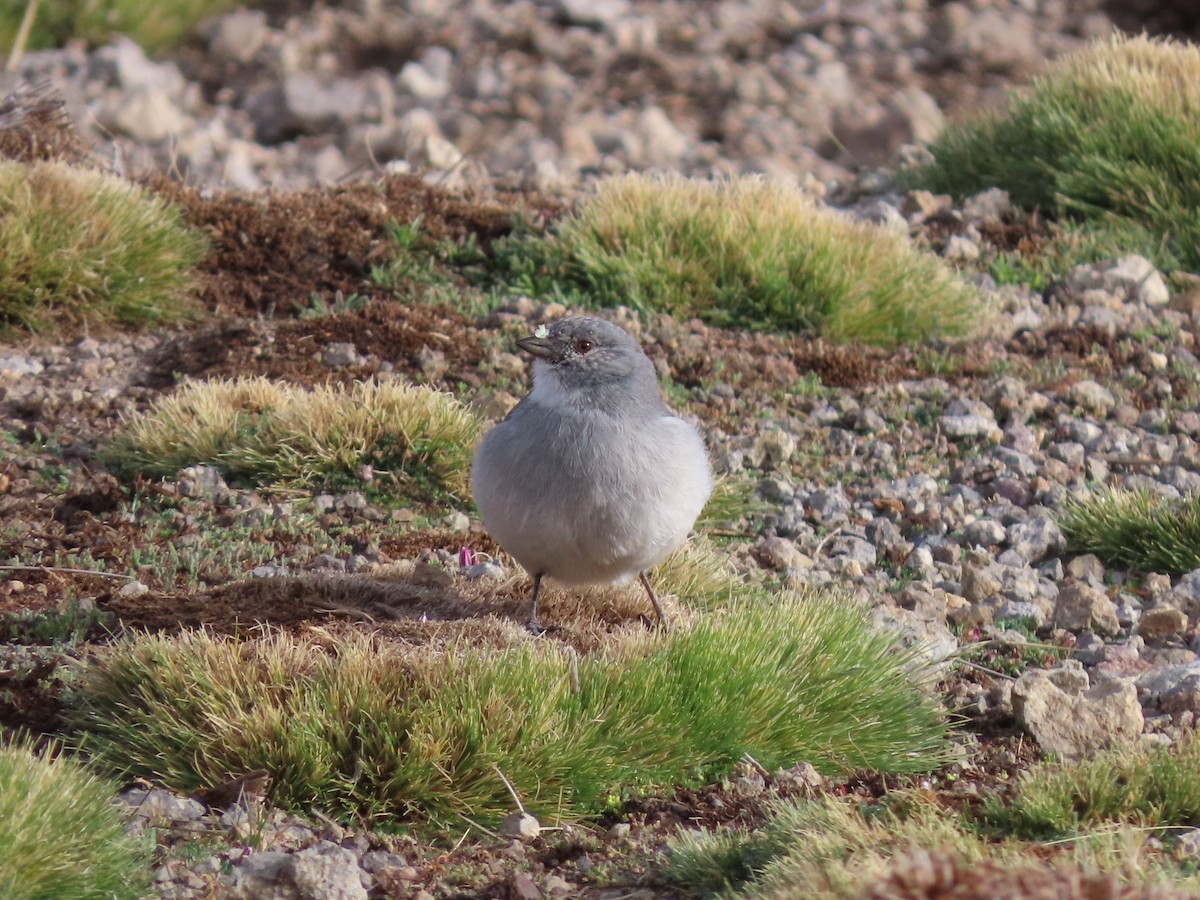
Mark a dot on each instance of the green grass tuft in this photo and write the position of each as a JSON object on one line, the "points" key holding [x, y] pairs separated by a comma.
{"points": [[1153, 788], [61, 835], [742, 252], [1109, 135], [1137, 529], [83, 246], [288, 437], [155, 24], [364, 728]]}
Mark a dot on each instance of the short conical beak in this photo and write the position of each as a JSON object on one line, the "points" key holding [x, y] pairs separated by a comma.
{"points": [[538, 346]]}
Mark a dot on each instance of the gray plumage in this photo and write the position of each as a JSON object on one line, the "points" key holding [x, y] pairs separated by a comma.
{"points": [[590, 478]]}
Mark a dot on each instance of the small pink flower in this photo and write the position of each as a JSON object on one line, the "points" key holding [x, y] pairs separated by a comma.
{"points": [[466, 557]]}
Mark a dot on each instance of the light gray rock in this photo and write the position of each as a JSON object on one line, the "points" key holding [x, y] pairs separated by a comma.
{"points": [[1036, 538], [1074, 726], [595, 13], [1186, 596], [17, 366], [777, 553], [1091, 396], [984, 533], [853, 547], [162, 807], [520, 825], [147, 114], [963, 427], [202, 482], [928, 635], [663, 142], [828, 507], [133, 589], [340, 354], [1184, 697], [324, 871], [988, 207], [1157, 682], [1130, 277], [1081, 607], [239, 35]]}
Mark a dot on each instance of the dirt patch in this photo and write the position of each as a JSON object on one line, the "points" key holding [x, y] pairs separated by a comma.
{"points": [[404, 335], [272, 252], [30, 702]]}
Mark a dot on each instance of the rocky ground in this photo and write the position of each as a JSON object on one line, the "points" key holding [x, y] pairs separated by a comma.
{"points": [[931, 480], [541, 95]]}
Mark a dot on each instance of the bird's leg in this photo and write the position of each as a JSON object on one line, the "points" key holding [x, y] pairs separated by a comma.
{"points": [[662, 620], [533, 622]]}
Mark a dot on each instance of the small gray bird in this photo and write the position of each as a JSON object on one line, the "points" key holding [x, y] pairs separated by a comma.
{"points": [[590, 479]]}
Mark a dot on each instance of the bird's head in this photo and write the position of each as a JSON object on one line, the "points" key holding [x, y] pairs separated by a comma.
{"points": [[589, 356]]}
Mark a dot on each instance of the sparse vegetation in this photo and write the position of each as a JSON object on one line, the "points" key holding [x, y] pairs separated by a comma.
{"points": [[833, 849], [285, 436], [155, 24], [743, 252], [1155, 788], [385, 732], [83, 246], [1108, 136], [1136, 528], [61, 835], [1010, 654]]}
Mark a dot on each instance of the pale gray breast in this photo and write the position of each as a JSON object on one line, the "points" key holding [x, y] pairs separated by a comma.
{"points": [[589, 488]]}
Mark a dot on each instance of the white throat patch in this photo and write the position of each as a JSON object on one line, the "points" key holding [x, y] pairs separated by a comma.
{"points": [[548, 389]]}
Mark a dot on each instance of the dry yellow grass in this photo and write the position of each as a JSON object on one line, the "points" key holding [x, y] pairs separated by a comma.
{"points": [[291, 437]]}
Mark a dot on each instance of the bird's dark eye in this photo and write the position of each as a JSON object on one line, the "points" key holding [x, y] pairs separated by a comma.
{"points": [[583, 346]]}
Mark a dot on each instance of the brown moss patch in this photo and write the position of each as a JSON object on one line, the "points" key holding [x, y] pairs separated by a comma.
{"points": [[272, 251], [290, 350]]}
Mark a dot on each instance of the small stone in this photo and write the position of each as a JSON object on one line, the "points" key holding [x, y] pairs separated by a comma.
{"points": [[16, 366], [133, 589], [457, 521], [963, 427], [338, 355], [1076, 726], [485, 571], [776, 553], [1091, 396], [984, 533], [960, 249], [774, 448], [239, 35], [146, 114], [328, 871], [522, 887], [595, 13], [202, 482], [988, 207], [162, 807], [1036, 538], [1131, 277], [1161, 622], [619, 831], [521, 826], [1187, 845], [1081, 607]]}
